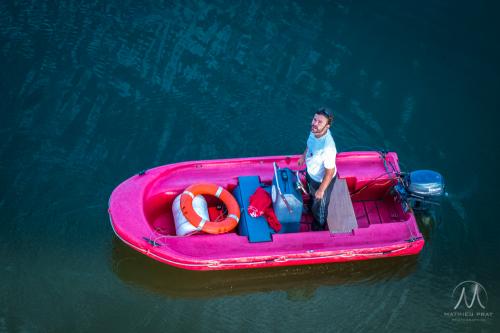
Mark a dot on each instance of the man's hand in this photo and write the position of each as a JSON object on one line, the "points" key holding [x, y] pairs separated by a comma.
{"points": [[301, 161], [324, 184], [319, 194]]}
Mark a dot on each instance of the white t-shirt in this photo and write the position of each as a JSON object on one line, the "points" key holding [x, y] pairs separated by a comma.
{"points": [[321, 154]]}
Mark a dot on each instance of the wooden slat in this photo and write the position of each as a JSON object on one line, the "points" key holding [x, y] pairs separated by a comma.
{"points": [[372, 211], [361, 216], [341, 217]]}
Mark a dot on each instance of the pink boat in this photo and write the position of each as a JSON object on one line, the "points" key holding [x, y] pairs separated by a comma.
{"points": [[141, 215]]}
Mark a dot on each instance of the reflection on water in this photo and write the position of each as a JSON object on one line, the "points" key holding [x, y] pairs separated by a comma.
{"points": [[299, 282], [428, 221]]}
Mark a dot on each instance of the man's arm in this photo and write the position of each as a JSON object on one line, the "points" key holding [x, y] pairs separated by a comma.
{"points": [[324, 184]]}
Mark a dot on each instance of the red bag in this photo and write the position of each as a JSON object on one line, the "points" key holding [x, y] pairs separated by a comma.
{"points": [[261, 204]]}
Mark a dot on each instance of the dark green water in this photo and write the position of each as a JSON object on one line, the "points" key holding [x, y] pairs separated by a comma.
{"points": [[94, 91]]}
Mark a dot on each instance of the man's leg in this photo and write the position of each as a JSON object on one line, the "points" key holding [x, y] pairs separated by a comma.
{"points": [[325, 202], [314, 205], [320, 207]]}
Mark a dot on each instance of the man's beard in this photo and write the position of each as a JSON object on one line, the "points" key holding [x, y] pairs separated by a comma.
{"points": [[316, 131]]}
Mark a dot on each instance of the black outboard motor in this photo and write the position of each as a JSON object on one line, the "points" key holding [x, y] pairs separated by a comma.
{"points": [[421, 189]]}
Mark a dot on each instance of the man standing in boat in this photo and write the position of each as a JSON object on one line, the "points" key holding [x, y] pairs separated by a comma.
{"points": [[319, 158]]}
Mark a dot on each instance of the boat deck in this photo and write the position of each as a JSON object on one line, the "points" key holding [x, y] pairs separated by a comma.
{"points": [[365, 214]]}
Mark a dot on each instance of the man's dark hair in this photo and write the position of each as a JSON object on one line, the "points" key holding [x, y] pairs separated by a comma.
{"points": [[327, 113]]}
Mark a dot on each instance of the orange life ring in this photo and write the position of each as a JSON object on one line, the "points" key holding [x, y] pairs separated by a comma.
{"points": [[233, 209]]}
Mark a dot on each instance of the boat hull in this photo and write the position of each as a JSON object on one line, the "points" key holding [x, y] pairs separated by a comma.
{"points": [[140, 213]]}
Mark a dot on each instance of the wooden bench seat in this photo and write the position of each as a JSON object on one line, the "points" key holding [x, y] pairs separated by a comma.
{"points": [[341, 217]]}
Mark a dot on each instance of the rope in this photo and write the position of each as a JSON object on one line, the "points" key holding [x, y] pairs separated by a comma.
{"points": [[153, 240], [373, 182]]}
